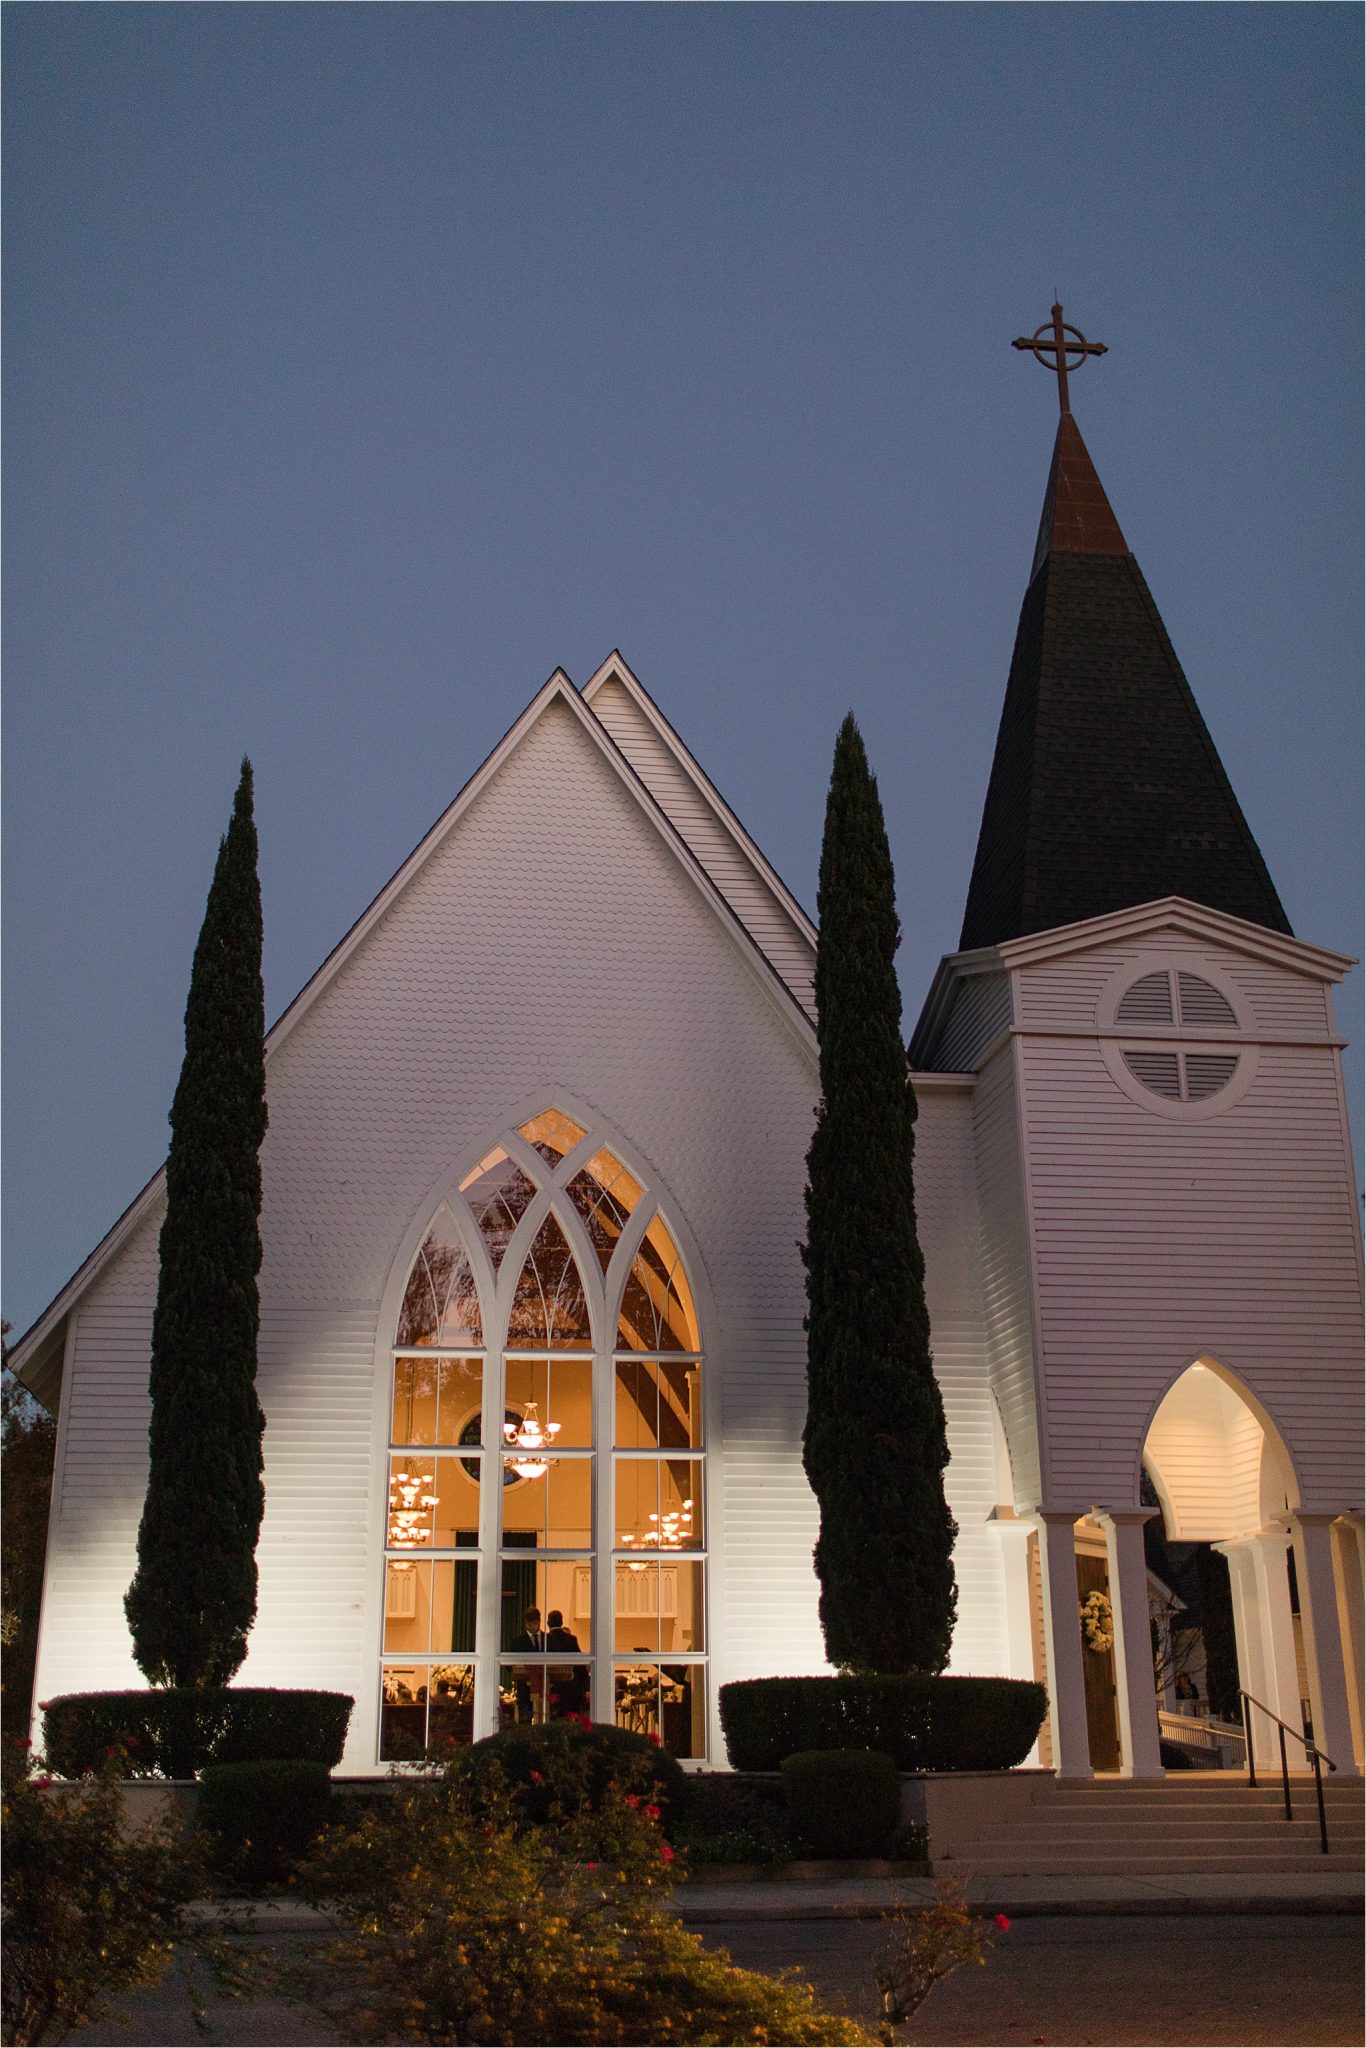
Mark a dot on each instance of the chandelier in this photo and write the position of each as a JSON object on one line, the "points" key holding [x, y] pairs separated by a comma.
{"points": [[530, 1435], [409, 1508], [669, 1531]]}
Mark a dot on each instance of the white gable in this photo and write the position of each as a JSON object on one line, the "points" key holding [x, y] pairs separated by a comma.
{"points": [[772, 916]]}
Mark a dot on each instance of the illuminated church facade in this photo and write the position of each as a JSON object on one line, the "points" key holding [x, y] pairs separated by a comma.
{"points": [[532, 1300]]}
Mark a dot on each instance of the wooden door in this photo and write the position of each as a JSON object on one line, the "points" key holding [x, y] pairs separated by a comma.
{"points": [[1098, 1673]]}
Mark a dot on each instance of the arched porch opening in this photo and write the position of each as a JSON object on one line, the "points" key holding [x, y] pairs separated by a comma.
{"points": [[1226, 1487]]}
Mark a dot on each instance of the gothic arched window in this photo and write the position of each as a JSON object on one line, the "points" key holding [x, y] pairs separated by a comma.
{"points": [[547, 1339]]}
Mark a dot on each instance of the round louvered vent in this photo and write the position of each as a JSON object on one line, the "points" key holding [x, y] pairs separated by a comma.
{"points": [[1158, 1006]]}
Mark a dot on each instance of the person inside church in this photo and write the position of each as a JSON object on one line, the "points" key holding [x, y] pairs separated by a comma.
{"points": [[568, 1683], [530, 1643]]}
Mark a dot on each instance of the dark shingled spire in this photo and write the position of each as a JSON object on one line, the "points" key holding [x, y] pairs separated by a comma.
{"points": [[1105, 789]]}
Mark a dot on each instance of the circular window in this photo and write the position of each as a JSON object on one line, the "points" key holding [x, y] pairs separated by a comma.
{"points": [[1163, 1043]]}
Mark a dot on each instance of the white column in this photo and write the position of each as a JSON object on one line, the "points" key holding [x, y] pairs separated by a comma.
{"points": [[1313, 1539], [1062, 1630], [1348, 1532], [1261, 1626], [1015, 1537], [1135, 1687]]}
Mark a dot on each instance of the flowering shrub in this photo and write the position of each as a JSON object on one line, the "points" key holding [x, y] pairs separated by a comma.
{"points": [[91, 1906], [538, 1758], [925, 1945], [472, 1922]]}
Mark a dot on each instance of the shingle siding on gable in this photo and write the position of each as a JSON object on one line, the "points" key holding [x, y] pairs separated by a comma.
{"points": [[761, 913]]}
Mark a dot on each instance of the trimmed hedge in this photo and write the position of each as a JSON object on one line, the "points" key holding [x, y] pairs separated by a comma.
{"points": [[844, 1802], [261, 1818], [923, 1723], [536, 1759], [173, 1732]]}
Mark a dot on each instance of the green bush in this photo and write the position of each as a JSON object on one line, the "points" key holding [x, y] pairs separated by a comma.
{"points": [[466, 1922], [173, 1732], [261, 1818], [92, 1906], [923, 1723], [532, 1760], [844, 1802], [725, 1817]]}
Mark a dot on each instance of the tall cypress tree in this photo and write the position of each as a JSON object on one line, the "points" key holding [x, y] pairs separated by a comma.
{"points": [[193, 1597], [875, 1445]]}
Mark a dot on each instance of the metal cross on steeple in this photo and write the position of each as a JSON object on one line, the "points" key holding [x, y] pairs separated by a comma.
{"points": [[1065, 341]]}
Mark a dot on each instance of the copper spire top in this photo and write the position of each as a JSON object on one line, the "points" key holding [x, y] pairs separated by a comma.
{"points": [[1065, 341]]}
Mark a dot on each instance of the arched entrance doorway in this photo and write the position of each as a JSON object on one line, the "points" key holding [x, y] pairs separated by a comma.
{"points": [[1224, 1477]]}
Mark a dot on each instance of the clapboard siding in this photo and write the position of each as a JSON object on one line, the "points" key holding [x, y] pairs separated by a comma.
{"points": [[979, 1013], [435, 1034], [1004, 1269], [1156, 1239], [946, 1206], [1065, 992], [766, 919]]}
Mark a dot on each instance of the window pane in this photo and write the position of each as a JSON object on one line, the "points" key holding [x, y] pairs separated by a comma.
{"points": [[659, 1503], [657, 1311], [549, 1587], [411, 1500], [422, 1705], [659, 1605], [549, 1312], [553, 1134], [659, 1405], [435, 1398], [667, 1700], [440, 1305], [553, 1511], [561, 1390], [539, 1690], [604, 1194], [456, 1522], [429, 1605], [498, 1192]]}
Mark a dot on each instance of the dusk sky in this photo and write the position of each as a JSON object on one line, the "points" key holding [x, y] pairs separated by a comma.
{"points": [[365, 363]]}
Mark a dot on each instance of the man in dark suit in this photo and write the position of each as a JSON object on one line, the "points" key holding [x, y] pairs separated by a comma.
{"points": [[530, 1643], [568, 1682]]}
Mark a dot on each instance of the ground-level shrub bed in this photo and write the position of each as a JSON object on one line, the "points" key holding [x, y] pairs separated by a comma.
{"points": [[532, 1760], [922, 1723], [845, 1802], [259, 1819], [471, 1921], [173, 1732], [92, 1906]]}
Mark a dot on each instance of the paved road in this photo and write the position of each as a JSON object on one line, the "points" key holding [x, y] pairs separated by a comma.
{"points": [[1245, 1980], [1241, 1981]]}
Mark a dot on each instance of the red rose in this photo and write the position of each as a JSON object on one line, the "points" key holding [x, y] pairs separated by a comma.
{"points": [[651, 1812], [43, 1706], [1002, 1922], [42, 1783], [590, 1866], [536, 1778], [666, 1854], [655, 1739]]}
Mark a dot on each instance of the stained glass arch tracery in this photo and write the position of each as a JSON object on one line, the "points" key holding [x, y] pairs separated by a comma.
{"points": [[586, 1355]]}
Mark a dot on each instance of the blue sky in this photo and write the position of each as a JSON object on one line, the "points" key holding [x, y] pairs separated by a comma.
{"points": [[365, 363]]}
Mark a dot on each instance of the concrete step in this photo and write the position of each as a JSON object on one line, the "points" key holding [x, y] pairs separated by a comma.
{"points": [[990, 1861], [1271, 1829]]}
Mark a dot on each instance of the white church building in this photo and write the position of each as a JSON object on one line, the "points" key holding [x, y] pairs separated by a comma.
{"points": [[532, 1302]]}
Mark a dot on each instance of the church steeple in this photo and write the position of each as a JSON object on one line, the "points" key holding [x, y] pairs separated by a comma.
{"points": [[1105, 790]]}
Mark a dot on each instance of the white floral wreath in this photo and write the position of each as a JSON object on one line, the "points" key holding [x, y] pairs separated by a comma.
{"points": [[1098, 1623]]}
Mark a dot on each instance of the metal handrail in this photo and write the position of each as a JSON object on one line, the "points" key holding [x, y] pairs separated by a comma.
{"points": [[1311, 1750]]}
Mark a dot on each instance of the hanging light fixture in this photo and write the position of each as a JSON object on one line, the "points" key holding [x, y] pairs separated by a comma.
{"points": [[409, 1507], [669, 1531], [530, 1435]]}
